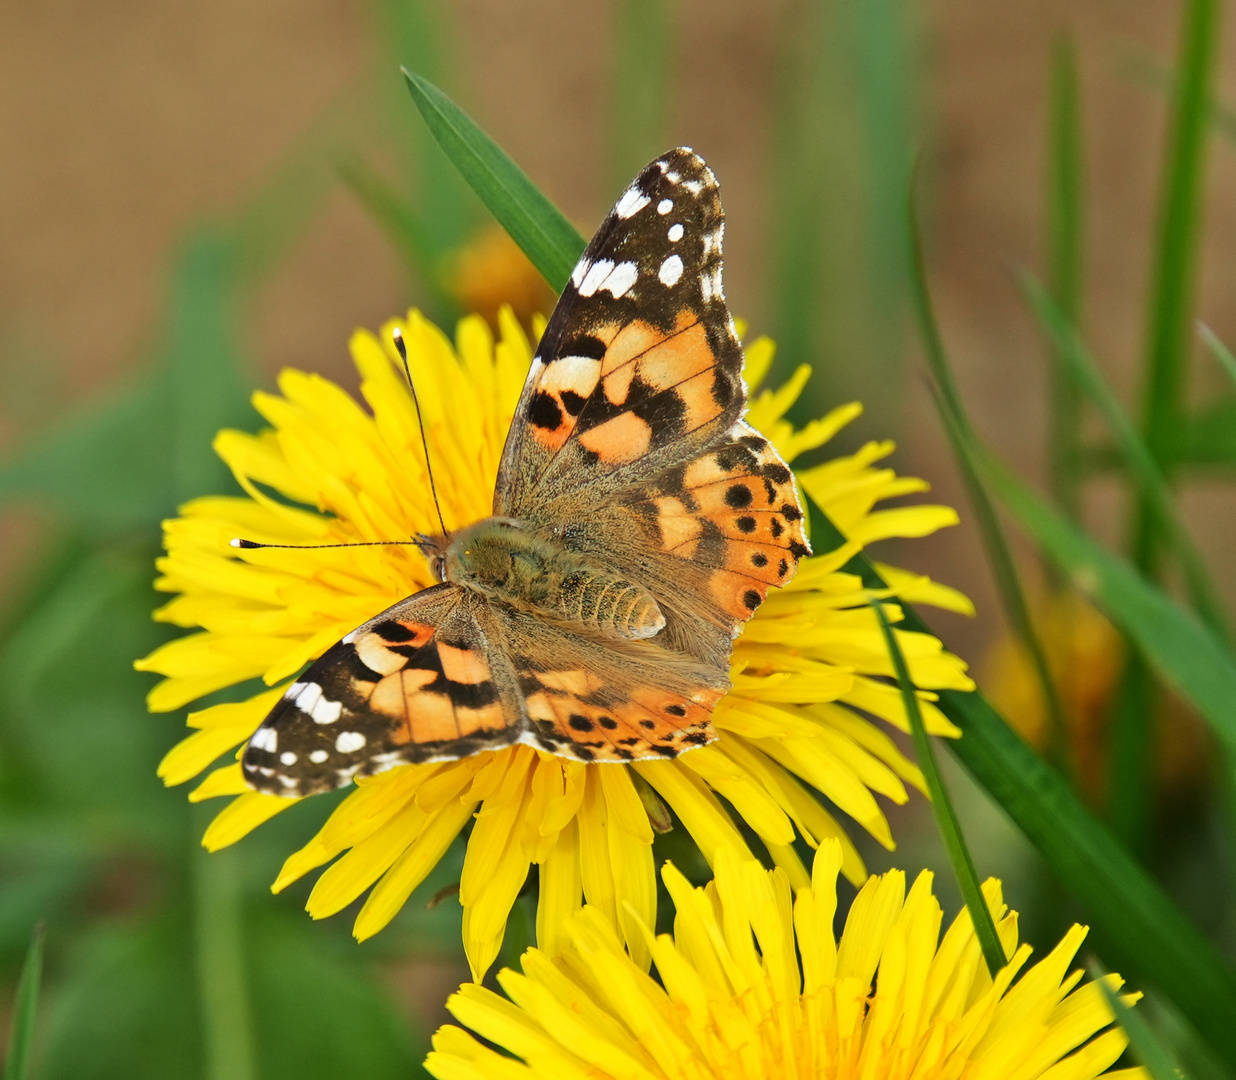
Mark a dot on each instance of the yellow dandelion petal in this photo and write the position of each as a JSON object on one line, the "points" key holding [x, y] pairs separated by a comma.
{"points": [[561, 886], [190, 756], [753, 985], [809, 672], [240, 817], [410, 869], [229, 780]]}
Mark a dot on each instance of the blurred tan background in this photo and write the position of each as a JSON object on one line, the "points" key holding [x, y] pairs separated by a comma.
{"points": [[120, 123]]}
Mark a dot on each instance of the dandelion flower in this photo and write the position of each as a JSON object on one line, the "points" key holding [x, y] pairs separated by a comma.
{"points": [[890, 999], [808, 672]]}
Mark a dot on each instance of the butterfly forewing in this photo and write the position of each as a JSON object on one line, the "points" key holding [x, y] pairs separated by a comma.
{"points": [[420, 682], [640, 355]]}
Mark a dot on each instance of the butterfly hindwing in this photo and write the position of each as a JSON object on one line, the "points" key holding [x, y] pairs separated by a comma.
{"points": [[416, 683]]}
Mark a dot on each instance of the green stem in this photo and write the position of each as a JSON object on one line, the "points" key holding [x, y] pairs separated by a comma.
{"points": [[222, 989], [641, 86], [942, 807], [25, 1010]]}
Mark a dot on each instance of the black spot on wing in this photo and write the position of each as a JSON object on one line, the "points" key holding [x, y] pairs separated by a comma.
{"points": [[583, 345], [543, 411]]}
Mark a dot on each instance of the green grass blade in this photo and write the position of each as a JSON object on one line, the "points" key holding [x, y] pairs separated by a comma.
{"points": [[420, 35], [643, 44], [1182, 651], [942, 807], [25, 1011], [1064, 262], [1173, 273], [1175, 265], [1147, 1047], [1220, 351], [995, 543], [534, 223], [1140, 463]]}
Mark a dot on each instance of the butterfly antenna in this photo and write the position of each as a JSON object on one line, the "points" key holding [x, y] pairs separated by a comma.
{"points": [[249, 545], [397, 334]]}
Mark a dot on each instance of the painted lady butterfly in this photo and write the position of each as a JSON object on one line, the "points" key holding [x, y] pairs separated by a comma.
{"points": [[638, 523]]}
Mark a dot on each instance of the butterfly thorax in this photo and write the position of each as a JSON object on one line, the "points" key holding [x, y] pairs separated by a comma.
{"points": [[503, 560]]}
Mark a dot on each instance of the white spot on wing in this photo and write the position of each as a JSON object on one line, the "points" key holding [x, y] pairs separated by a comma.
{"points": [[347, 639], [710, 284], [671, 271], [632, 202], [672, 176], [665, 206], [318, 756], [287, 781], [349, 742], [693, 186], [575, 372], [596, 274], [287, 758], [311, 702], [577, 275], [265, 738], [621, 278], [675, 233]]}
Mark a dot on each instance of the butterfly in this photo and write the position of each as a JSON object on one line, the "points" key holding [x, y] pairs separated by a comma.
{"points": [[638, 522]]}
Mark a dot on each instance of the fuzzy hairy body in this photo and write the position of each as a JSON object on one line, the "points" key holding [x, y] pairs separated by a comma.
{"points": [[501, 559]]}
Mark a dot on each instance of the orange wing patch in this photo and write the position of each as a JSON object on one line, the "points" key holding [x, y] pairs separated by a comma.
{"points": [[442, 693], [618, 359], [576, 715]]}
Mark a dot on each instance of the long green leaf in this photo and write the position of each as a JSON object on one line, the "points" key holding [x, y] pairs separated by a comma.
{"points": [[942, 807], [995, 543], [1144, 929], [1142, 925], [534, 223], [1083, 369], [1182, 651], [1175, 268], [25, 1011]]}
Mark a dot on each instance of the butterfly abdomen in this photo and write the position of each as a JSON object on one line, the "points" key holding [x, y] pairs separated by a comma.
{"points": [[505, 562]]}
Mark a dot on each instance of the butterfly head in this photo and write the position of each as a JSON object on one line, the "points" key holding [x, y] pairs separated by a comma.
{"points": [[434, 549]]}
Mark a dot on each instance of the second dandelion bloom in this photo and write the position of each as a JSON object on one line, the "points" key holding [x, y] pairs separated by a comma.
{"points": [[753, 983]]}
